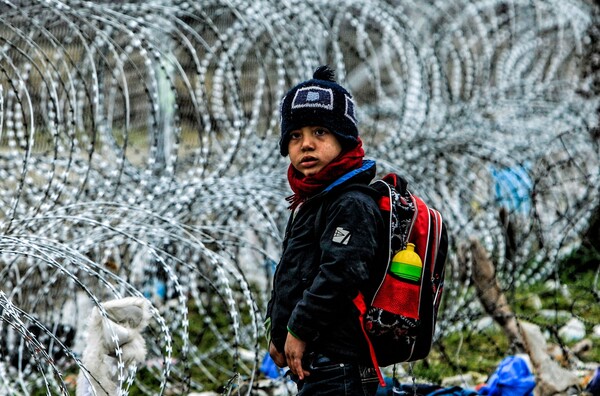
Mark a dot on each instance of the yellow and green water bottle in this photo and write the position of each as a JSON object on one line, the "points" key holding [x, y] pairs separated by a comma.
{"points": [[407, 264]]}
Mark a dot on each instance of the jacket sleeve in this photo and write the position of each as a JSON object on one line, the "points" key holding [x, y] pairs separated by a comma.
{"points": [[269, 325], [348, 246]]}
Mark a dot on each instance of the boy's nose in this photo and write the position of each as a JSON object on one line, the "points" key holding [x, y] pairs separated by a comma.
{"points": [[308, 143]]}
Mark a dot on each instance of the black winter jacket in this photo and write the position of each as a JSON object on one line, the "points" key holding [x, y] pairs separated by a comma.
{"points": [[330, 252]]}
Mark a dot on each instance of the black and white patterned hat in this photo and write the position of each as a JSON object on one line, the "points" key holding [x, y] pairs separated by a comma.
{"points": [[319, 102]]}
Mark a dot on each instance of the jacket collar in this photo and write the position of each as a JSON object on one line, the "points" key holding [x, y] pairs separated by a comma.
{"points": [[367, 170]]}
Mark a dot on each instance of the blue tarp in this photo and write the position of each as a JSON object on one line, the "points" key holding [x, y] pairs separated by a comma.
{"points": [[270, 369], [513, 188], [511, 378]]}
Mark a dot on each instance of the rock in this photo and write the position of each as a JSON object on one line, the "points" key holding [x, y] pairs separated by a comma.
{"points": [[551, 378], [558, 354], [484, 323], [534, 301], [574, 330], [467, 380], [246, 355], [582, 347], [552, 314], [262, 387], [552, 285]]}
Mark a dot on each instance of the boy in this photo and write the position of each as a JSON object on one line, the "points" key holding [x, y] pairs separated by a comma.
{"points": [[330, 247]]}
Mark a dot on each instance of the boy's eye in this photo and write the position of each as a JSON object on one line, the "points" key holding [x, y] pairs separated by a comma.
{"points": [[321, 131], [294, 135]]}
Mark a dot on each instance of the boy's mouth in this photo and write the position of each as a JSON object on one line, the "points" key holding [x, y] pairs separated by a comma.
{"points": [[308, 161]]}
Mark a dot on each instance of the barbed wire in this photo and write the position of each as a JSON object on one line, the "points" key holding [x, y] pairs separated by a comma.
{"points": [[138, 146]]}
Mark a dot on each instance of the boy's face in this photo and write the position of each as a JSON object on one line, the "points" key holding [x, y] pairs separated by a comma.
{"points": [[311, 148]]}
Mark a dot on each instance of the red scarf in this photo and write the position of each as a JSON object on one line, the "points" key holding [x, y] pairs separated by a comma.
{"points": [[305, 187]]}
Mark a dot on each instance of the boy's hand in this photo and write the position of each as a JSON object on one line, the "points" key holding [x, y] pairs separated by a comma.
{"points": [[277, 356], [294, 351]]}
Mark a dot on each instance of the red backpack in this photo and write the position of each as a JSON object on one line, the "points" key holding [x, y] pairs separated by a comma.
{"points": [[399, 321]]}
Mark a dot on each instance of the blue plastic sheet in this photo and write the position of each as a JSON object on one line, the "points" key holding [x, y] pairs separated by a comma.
{"points": [[511, 378], [269, 368], [513, 187]]}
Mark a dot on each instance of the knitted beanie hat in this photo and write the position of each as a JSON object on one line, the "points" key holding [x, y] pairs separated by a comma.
{"points": [[319, 102]]}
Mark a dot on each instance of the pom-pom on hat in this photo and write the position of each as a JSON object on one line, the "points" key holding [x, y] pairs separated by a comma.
{"points": [[320, 101]]}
